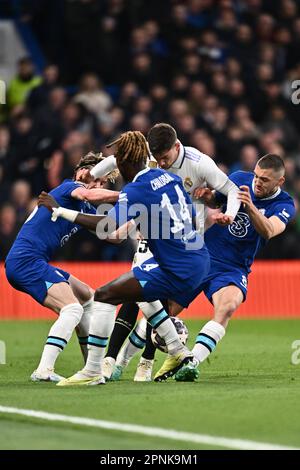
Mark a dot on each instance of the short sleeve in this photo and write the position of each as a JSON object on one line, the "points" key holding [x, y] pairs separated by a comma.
{"points": [[284, 211], [69, 187]]}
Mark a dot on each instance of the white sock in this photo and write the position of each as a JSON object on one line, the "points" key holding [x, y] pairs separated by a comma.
{"points": [[59, 334], [83, 327], [162, 323], [207, 339], [135, 342], [102, 324]]}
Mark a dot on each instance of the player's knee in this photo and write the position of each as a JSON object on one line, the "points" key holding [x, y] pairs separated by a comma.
{"points": [[86, 294], [227, 309], [103, 294]]}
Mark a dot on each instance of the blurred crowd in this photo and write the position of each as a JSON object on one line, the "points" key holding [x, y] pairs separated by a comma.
{"points": [[221, 72]]}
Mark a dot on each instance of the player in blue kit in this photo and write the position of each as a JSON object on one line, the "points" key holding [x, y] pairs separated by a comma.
{"points": [[265, 211], [164, 214], [27, 267]]}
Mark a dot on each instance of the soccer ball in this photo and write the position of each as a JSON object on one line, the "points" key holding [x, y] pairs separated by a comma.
{"points": [[181, 329]]}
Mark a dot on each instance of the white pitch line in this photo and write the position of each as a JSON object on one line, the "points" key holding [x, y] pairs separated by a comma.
{"points": [[190, 437]]}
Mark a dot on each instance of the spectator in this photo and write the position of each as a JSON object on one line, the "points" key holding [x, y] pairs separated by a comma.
{"points": [[92, 96], [20, 197], [8, 228], [20, 87], [220, 71], [39, 95]]}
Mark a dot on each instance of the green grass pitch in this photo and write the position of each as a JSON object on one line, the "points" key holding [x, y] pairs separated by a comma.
{"points": [[249, 390]]}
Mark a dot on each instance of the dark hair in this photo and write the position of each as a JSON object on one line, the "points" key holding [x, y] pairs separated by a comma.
{"points": [[132, 147], [25, 60], [161, 137], [271, 160]]}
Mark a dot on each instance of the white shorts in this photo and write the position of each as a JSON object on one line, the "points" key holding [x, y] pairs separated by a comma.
{"points": [[142, 254]]}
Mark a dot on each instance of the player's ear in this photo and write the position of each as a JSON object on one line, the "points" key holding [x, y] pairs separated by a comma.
{"points": [[281, 180]]}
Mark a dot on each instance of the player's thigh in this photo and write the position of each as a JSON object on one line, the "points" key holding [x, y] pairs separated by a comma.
{"points": [[174, 308], [183, 299], [82, 291], [226, 300], [59, 295], [126, 288]]}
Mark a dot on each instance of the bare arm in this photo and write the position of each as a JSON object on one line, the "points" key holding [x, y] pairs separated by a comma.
{"points": [[207, 197], [95, 195], [85, 220], [88, 221], [266, 227], [123, 232]]}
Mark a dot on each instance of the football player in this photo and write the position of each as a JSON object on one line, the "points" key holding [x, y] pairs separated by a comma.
{"points": [[28, 270], [265, 212]]}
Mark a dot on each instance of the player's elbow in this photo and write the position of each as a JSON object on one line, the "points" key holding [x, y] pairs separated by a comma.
{"points": [[269, 233]]}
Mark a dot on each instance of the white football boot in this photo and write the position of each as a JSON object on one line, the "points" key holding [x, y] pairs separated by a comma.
{"points": [[47, 375], [108, 367], [144, 370]]}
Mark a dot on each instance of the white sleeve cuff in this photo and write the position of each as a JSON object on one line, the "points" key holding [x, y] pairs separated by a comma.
{"points": [[67, 214], [104, 167]]}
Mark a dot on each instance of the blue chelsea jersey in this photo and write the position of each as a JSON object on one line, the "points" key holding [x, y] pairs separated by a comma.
{"points": [[39, 236], [238, 243], [164, 214]]}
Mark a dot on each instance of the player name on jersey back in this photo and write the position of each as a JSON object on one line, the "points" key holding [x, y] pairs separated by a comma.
{"points": [[161, 181]]}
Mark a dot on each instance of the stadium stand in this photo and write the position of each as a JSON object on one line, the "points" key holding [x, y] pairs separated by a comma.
{"points": [[220, 72]]}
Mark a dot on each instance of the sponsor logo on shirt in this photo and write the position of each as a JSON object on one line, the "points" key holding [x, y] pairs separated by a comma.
{"points": [[67, 237], [239, 227]]}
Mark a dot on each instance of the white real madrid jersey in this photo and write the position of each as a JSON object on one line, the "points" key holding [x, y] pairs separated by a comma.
{"points": [[198, 170]]}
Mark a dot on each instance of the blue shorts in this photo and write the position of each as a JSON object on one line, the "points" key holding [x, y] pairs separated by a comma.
{"points": [[158, 283], [220, 275], [33, 276]]}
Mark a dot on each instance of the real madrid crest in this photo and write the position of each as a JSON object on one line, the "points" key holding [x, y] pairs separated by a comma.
{"points": [[188, 183]]}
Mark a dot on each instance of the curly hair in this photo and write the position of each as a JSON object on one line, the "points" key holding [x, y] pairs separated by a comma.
{"points": [[132, 147]]}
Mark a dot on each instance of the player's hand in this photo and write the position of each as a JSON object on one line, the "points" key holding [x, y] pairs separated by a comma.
{"points": [[204, 194], [85, 176], [222, 219], [245, 197], [47, 201]]}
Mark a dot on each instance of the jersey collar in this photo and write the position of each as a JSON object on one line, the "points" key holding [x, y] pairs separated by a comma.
{"points": [[266, 198], [142, 172], [179, 160]]}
